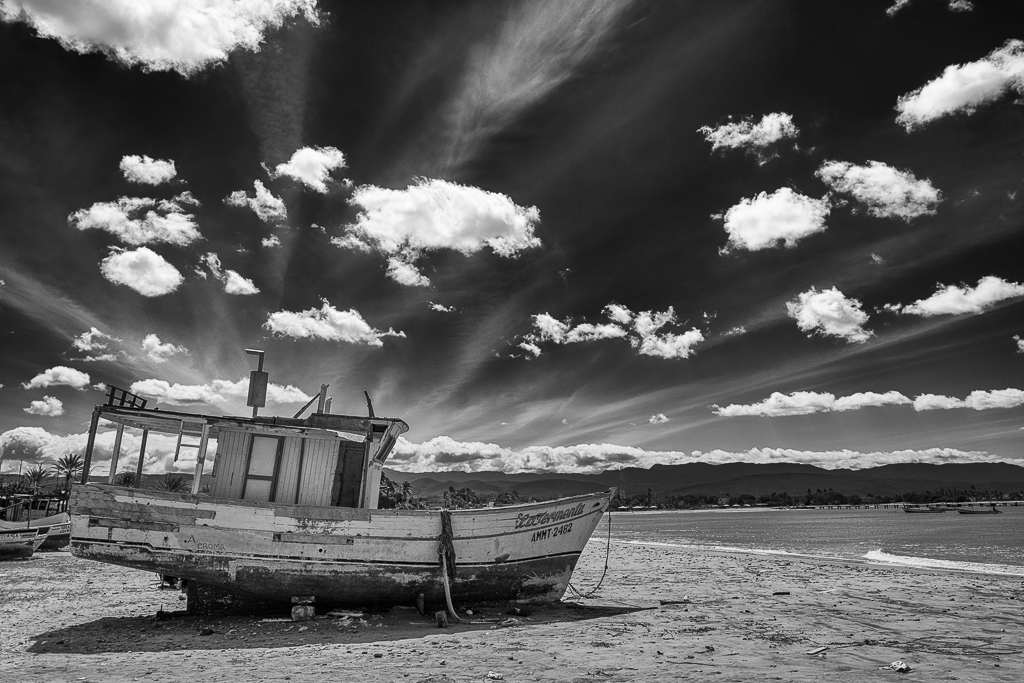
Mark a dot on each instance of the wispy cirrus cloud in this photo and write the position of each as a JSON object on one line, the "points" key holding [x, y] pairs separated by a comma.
{"points": [[755, 138], [884, 190], [830, 313], [328, 323], [184, 36], [766, 220], [954, 300], [964, 88]]}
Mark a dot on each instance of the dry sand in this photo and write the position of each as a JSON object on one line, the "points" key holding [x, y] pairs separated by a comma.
{"points": [[64, 619]]}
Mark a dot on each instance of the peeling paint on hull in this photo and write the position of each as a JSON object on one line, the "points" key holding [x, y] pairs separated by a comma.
{"points": [[342, 556]]}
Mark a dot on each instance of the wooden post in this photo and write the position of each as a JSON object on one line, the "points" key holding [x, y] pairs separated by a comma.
{"points": [[89, 445], [115, 454], [142, 458], [200, 459]]}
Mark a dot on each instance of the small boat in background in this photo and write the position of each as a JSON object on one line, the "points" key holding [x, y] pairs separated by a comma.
{"points": [[19, 544], [980, 511], [924, 509]]}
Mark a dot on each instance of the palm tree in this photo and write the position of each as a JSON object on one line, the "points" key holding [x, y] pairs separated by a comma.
{"points": [[68, 466], [172, 483], [406, 492], [36, 477], [126, 479]]}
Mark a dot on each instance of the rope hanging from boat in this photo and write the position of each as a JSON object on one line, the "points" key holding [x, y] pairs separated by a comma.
{"points": [[446, 549], [607, 553]]}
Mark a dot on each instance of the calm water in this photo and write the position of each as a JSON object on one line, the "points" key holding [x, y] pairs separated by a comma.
{"points": [[983, 543]]}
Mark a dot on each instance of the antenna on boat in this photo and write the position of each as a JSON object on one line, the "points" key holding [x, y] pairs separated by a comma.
{"points": [[369, 405], [258, 381]]}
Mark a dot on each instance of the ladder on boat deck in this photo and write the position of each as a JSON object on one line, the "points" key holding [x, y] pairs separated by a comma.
{"points": [[193, 430]]}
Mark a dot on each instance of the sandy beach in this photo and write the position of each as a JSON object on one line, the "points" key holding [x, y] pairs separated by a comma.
{"points": [[662, 614]]}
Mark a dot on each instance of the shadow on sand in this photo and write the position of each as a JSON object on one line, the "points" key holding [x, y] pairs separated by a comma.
{"points": [[180, 631]]}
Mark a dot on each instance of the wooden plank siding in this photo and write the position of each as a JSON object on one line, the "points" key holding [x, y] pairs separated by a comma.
{"points": [[317, 474], [232, 453], [287, 490]]}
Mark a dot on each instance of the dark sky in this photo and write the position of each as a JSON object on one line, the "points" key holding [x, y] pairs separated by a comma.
{"points": [[565, 236]]}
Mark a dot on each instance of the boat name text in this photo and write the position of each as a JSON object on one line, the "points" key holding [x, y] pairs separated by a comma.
{"points": [[551, 532], [542, 518]]}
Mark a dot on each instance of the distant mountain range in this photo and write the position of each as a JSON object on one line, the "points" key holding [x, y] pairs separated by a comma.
{"points": [[729, 479]]}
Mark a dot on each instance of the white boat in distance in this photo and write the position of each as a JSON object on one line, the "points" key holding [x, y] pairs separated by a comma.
{"points": [[291, 512]]}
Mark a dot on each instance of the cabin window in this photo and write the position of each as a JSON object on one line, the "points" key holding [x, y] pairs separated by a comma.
{"points": [[261, 474]]}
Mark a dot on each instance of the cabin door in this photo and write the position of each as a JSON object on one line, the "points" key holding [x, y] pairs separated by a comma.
{"points": [[261, 473], [348, 476]]}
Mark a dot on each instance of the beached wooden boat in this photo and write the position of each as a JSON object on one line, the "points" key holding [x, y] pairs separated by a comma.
{"points": [[291, 511], [19, 544], [56, 529]]}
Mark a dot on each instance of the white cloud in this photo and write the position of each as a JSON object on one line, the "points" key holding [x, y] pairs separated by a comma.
{"points": [[754, 137], [48, 407], [443, 453], [327, 323], [735, 331], [876, 259], [642, 333], [530, 348], [405, 273], [778, 404], [896, 7], [960, 6], [1000, 398], [143, 270], [92, 340], [965, 87], [59, 376], [977, 400], [139, 220], [437, 214], [311, 166], [272, 241], [440, 308], [657, 419], [886, 191], [142, 169], [953, 300], [767, 219], [1020, 343], [351, 242], [809, 402], [216, 392], [264, 204], [180, 35], [39, 445], [233, 282], [159, 352], [830, 314], [103, 357], [936, 402]]}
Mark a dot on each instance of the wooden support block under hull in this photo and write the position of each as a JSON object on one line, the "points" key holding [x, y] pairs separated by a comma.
{"points": [[346, 584]]}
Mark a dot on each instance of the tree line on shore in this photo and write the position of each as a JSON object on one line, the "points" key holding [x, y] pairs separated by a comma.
{"points": [[818, 497]]}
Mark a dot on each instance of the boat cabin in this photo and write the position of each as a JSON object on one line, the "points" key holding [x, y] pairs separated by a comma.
{"points": [[320, 460]]}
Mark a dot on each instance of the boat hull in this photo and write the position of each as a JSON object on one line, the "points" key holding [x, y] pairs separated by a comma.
{"points": [[341, 556], [19, 544], [55, 528]]}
